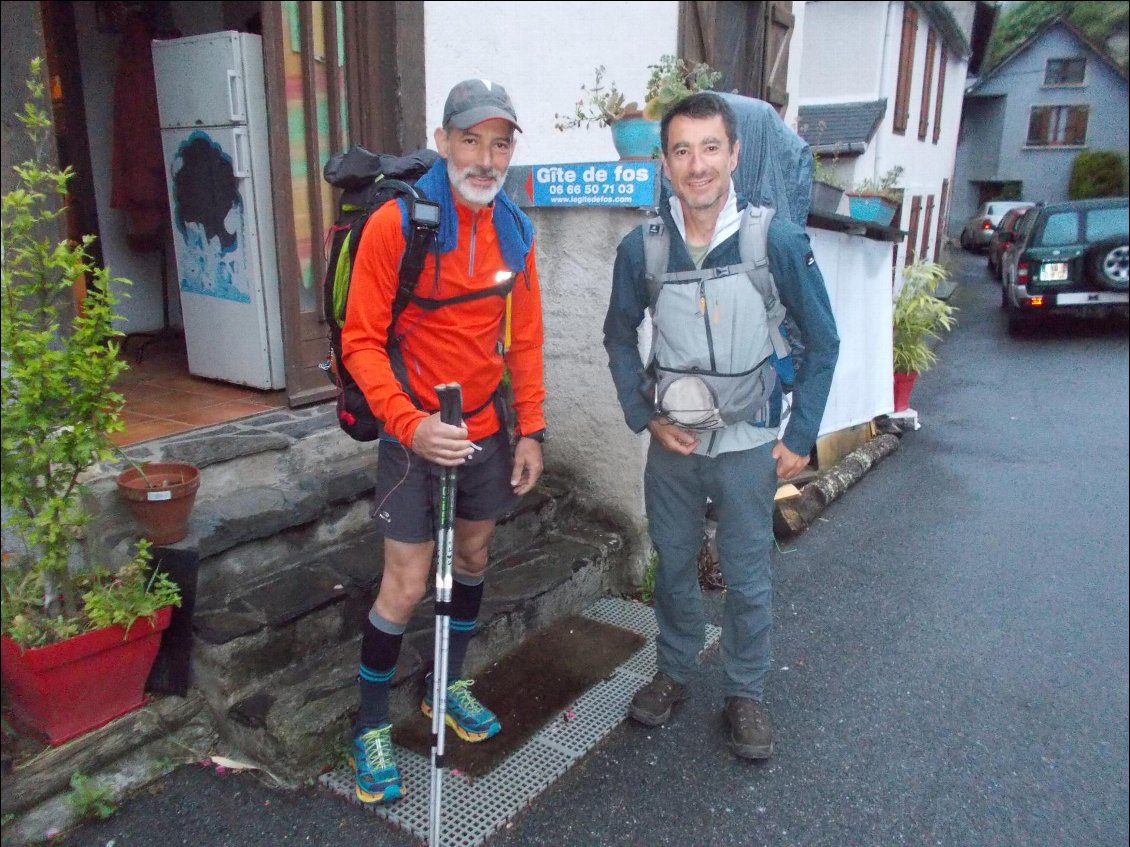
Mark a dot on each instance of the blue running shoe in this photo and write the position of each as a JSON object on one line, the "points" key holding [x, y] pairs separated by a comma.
{"points": [[378, 777], [471, 720]]}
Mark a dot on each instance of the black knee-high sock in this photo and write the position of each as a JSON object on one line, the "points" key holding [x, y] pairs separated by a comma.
{"points": [[466, 597], [380, 648]]}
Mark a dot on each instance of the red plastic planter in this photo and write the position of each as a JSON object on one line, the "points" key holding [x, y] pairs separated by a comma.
{"points": [[71, 687], [904, 384]]}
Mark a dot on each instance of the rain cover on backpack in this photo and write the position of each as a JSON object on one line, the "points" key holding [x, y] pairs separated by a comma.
{"points": [[775, 164]]}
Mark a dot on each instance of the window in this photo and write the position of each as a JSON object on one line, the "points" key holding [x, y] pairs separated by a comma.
{"points": [[906, 68], [1105, 223], [1065, 72], [1057, 126], [1061, 228]]}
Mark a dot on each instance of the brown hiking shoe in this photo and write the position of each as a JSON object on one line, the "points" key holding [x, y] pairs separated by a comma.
{"points": [[652, 703], [751, 733]]}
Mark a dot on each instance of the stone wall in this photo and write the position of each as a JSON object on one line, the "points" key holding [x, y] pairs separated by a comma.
{"points": [[589, 443]]}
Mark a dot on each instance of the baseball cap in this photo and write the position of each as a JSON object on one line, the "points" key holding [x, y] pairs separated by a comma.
{"points": [[476, 100]]}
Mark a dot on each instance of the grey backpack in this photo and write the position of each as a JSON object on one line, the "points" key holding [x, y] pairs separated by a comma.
{"points": [[712, 338]]}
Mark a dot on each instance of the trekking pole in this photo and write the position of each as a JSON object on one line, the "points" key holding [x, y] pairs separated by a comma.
{"points": [[450, 412]]}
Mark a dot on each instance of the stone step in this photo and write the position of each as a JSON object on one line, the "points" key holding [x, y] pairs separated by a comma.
{"points": [[280, 677], [274, 500], [289, 563]]}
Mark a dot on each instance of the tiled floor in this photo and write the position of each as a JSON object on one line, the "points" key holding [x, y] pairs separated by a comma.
{"points": [[162, 398]]}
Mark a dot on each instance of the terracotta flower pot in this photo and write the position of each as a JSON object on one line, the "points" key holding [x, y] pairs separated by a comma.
{"points": [[65, 689], [161, 495]]}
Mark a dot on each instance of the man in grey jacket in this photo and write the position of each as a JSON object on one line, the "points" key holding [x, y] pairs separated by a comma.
{"points": [[712, 341]]}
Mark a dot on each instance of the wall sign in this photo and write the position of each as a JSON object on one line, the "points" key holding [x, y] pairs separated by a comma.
{"points": [[629, 183]]}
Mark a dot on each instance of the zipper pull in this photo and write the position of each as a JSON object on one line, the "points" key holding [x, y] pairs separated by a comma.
{"points": [[701, 298]]}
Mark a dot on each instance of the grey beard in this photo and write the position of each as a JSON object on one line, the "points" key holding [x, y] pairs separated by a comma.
{"points": [[480, 197]]}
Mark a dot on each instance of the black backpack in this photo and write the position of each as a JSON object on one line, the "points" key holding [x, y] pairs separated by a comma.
{"points": [[367, 181]]}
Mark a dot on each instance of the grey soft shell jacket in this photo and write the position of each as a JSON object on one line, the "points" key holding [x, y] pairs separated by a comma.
{"points": [[802, 290]]}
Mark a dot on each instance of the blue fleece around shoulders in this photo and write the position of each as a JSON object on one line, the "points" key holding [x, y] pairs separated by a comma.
{"points": [[515, 230]]}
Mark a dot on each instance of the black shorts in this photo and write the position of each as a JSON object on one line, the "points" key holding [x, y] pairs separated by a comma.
{"points": [[407, 493]]}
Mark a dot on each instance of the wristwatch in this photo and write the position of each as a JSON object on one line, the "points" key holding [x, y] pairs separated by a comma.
{"points": [[538, 436]]}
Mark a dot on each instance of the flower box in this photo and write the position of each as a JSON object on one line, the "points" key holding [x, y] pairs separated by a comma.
{"points": [[68, 688]]}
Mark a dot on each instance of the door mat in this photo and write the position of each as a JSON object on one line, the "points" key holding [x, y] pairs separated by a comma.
{"points": [[528, 689]]}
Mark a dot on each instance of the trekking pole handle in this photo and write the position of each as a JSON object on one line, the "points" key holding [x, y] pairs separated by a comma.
{"points": [[450, 403]]}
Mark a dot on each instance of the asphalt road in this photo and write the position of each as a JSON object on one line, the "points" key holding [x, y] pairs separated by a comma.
{"points": [[951, 657]]}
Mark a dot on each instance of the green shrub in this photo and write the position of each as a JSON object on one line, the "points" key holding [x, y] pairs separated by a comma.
{"points": [[58, 410], [1097, 173]]}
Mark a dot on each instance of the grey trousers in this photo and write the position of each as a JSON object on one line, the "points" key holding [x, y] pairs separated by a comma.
{"points": [[741, 486]]}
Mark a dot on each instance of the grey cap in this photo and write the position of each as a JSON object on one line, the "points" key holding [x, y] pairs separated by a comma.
{"points": [[476, 100]]}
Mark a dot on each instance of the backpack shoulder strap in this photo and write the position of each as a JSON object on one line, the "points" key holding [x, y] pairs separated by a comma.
{"points": [[656, 247], [753, 244], [418, 240]]}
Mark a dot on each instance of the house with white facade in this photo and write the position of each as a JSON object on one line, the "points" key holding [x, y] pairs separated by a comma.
{"points": [[881, 89]]}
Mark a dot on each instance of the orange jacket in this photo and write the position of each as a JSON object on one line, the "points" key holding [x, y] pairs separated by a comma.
{"points": [[455, 343]]}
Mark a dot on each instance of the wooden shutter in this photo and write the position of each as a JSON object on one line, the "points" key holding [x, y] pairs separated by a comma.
{"points": [[906, 67], [778, 32], [927, 85], [942, 60], [925, 250], [912, 230], [747, 42], [943, 212]]}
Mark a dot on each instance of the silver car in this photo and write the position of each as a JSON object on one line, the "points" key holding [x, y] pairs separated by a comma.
{"points": [[980, 228]]}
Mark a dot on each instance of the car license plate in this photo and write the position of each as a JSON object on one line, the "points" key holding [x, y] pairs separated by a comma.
{"points": [[1053, 272]]}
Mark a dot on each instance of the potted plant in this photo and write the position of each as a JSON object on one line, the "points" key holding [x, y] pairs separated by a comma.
{"points": [[827, 187], [160, 496], [635, 130], [78, 638], [876, 200], [919, 319]]}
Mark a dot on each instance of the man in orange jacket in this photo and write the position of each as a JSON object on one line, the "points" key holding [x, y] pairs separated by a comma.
{"points": [[475, 311]]}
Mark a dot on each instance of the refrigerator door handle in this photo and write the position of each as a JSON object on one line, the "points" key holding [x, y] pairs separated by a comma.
{"points": [[240, 156], [235, 97]]}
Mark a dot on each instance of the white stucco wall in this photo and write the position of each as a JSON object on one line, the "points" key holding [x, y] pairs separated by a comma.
{"points": [[543, 52], [843, 55]]}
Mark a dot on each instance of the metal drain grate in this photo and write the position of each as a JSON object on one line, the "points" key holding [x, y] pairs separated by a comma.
{"points": [[485, 804]]}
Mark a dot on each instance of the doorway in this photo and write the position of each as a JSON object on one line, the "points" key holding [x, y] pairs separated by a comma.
{"points": [[119, 195]]}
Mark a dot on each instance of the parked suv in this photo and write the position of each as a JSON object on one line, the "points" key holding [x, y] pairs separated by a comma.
{"points": [[1003, 237], [1068, 257], [979, 228]]}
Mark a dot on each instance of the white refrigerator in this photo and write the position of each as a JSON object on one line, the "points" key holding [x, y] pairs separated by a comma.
{"points": [[212, 104]]}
